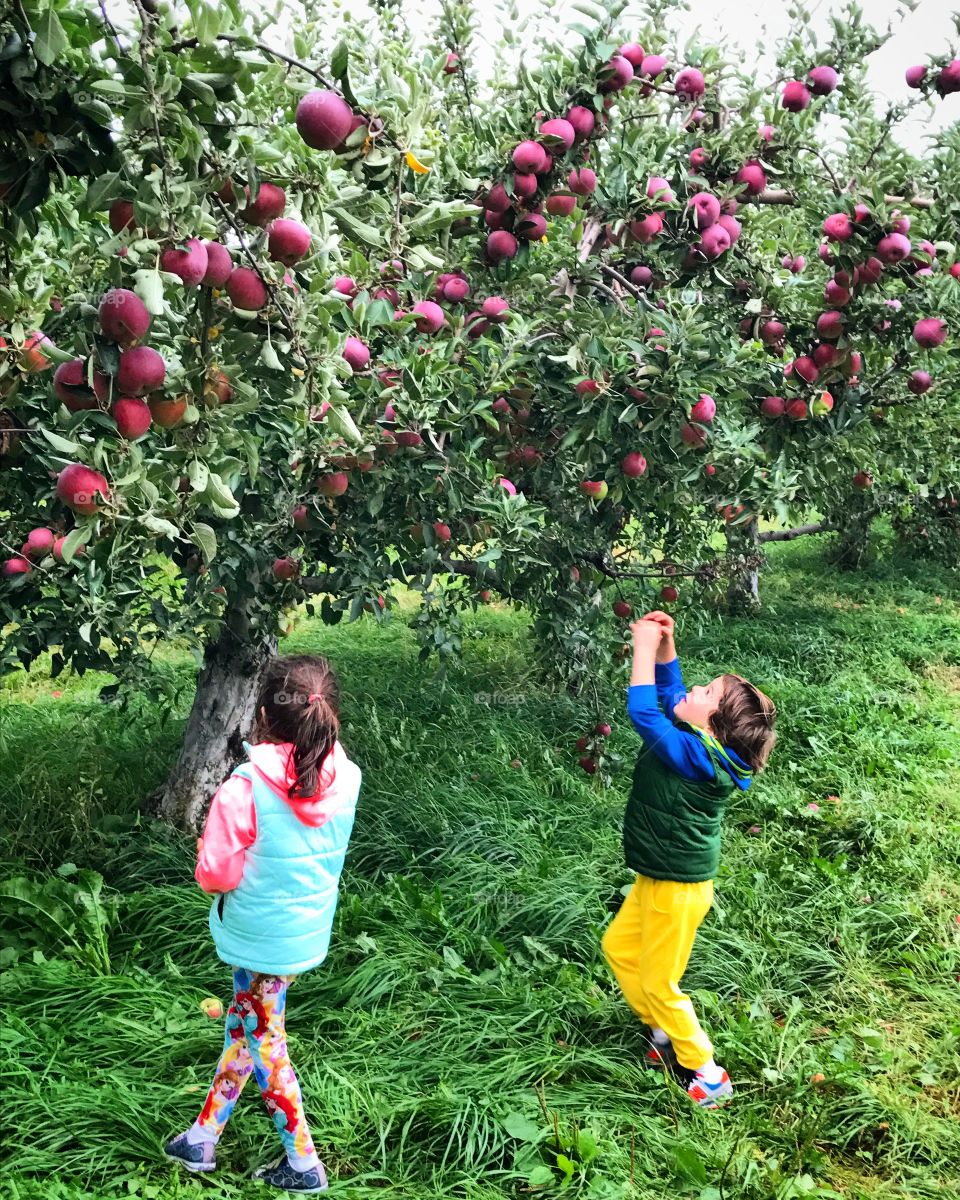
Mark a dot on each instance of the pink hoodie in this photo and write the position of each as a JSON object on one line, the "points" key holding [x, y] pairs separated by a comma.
{"points": [[231, 824]]}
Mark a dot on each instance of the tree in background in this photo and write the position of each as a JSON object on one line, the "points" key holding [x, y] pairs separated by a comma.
{"points": [[312, 324]]}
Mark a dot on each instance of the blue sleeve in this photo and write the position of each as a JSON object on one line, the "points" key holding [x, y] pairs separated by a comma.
{"points": [[682, 752], [670, 686]]}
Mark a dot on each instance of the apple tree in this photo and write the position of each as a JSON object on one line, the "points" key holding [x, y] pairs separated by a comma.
{"points": [[301, 323]]}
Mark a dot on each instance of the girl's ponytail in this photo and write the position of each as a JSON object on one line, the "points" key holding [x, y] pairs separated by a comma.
{"points": [[299, 702]]}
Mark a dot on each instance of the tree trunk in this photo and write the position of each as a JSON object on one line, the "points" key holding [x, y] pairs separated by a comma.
{"points": [[853, 542], [221, 717], [743, 590]]}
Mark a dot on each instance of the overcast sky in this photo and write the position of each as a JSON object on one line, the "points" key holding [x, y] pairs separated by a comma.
{"points": [[744, 25]]}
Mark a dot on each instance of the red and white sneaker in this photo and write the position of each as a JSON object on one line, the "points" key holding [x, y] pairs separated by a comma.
{"points": [[710, 1095], [660, 1056]]}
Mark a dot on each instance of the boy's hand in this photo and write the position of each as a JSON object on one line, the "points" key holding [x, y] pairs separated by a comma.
{"points": [[664, 620], [646, 644], [666, 651], [645, 632]]}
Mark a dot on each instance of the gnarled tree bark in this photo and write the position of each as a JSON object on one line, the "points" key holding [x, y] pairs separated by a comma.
{"points": [[743, 590], [221, 717]]}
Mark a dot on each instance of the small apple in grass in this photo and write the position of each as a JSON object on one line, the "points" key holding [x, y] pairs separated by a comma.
{"points": [[603, 729], [589, 765], [582, 743], [211, 1007]]}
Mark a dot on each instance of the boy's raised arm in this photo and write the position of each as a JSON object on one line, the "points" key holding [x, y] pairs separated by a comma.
{"points": [[683, 752]]}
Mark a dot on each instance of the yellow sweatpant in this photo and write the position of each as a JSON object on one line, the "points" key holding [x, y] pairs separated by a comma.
{"points": [[647, 945]]}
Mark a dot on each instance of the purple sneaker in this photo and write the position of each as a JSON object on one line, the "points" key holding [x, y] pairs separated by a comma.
{"points": [[300, 1183], [202, 1157]]}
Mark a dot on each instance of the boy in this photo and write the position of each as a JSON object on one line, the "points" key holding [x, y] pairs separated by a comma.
{"points": [[684, 776]]}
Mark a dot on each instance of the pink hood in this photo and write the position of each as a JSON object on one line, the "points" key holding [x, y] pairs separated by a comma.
{"points": [[273, 761]]}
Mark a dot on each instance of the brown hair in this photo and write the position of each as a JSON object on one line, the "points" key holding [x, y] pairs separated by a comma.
{"points": [[744, 721], [299, 702]]}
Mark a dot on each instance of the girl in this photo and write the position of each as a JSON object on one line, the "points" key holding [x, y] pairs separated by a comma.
{"points": [[271, 855], [699, 748]]}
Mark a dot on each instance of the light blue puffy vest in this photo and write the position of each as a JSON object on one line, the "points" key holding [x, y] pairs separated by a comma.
{"points": [[278, 920]]}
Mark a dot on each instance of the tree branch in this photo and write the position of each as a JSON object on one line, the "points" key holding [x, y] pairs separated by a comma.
{"points": [[634, 291], [783, 196], [788, 535], [319, 584], [833, 178], [271, 290]]}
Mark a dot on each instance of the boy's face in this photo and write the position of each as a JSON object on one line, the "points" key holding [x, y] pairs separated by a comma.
{"points": [[700, 703]]}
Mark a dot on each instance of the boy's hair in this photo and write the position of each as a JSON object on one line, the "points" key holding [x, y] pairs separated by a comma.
{"points": [[299, 702], [744, 721]]}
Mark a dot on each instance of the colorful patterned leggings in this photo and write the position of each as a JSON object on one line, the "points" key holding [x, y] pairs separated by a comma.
{"points": [[256, 1043]]}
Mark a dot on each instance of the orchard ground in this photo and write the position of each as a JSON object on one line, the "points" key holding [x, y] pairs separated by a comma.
{"points": [[465, 1018]]}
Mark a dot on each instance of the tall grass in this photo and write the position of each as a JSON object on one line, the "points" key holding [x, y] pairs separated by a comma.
{"points": [[464, 1038]]}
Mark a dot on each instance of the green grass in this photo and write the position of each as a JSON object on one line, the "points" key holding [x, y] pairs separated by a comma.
{"points": [[465, 995]]}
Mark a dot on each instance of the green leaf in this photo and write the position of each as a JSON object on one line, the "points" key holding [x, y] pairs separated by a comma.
{"points": [[366, 233], [109, 87], [520, 1127], [199, 475], [340, 65], [101, 189], [268, 356], [343, 424], [205, 540], [60, 443], [160, 526], [51, 40], [195, 87], [72, 542], [148, 285]]}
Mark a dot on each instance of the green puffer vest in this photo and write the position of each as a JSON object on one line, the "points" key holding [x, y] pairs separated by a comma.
{"points": [[671, 829]]}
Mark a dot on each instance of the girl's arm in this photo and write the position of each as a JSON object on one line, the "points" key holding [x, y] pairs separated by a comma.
{"points": [[231, 826], [683, 752]]}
